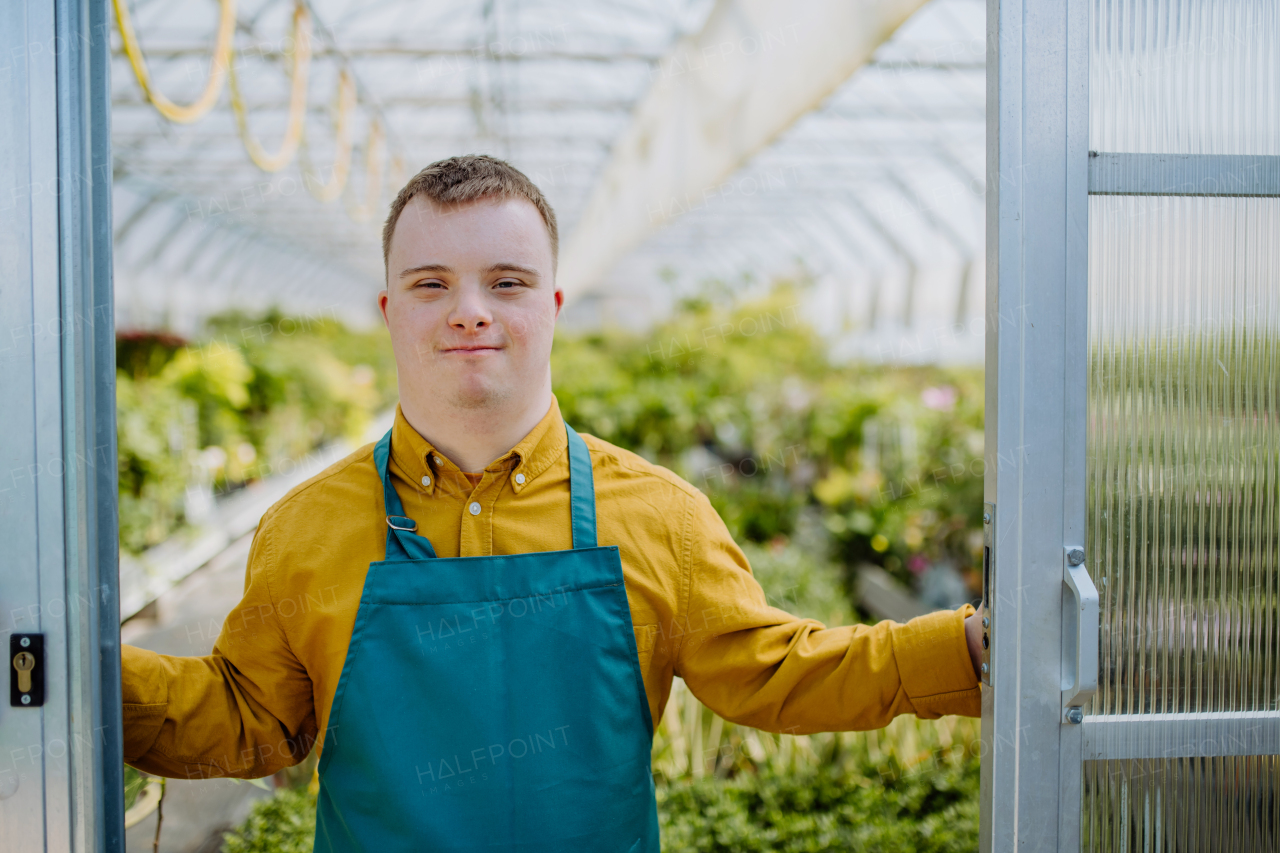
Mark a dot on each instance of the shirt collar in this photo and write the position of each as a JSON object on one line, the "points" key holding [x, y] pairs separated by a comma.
{"points": [[416, 458]]}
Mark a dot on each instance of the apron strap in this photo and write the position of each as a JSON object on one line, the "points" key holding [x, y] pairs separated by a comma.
{"points": [[404, 543], [582, 491]]}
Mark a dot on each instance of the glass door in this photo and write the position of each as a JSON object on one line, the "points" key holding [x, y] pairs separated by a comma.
{"points": [[1133, 476], [1183, 502]]}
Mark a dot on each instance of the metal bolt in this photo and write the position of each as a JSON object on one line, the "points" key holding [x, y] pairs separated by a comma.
{"points": [[26, 700], [984, 667], [24, 642], [1075, 716], [986, 621], [986, 518], [1075, 556]]}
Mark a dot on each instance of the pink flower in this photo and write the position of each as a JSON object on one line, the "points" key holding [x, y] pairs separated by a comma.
{"points": [[941, 398]]}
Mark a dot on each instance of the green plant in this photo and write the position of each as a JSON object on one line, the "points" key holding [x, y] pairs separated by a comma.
{"points": [[796, 578], [284, 823], [252, 393], [902, 481], [134, 782], [884, 807], [743, 401], [155, 425]]}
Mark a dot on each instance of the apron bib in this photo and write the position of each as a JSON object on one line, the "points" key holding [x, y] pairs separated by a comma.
{"points": [[490, 703]]}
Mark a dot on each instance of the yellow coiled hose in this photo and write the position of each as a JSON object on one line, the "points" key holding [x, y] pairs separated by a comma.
{"points": [[295, 133], [298, 78], [375, 150], [327, 191], [217, 74]]}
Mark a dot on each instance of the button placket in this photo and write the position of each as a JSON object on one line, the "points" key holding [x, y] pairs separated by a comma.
{"points": [[477, 526], [430, 479]]}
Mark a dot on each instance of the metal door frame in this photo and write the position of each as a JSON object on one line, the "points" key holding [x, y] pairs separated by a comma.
{"points": [[61, 766], [1036, 343]]}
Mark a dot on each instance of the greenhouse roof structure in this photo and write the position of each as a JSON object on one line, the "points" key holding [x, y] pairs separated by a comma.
{"points": [[257, 144]]}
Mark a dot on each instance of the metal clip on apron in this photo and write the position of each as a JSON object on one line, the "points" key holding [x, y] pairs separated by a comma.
{"points": [[490, 703]]}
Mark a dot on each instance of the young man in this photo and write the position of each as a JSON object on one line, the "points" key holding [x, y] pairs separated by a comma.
{"points": [[479, 617]]}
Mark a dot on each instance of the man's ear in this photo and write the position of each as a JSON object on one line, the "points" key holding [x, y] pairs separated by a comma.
{"points": [[383, 296], [559, 300]]}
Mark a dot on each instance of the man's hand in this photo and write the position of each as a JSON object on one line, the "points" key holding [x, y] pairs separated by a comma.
{"points": [[973, 636]]}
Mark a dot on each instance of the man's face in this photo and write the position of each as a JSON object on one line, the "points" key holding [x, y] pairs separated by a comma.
{"points": [[471, 302]]}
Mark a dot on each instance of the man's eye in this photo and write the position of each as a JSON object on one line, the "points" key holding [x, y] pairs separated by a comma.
{"points": [[429, 284], [507, 283]]}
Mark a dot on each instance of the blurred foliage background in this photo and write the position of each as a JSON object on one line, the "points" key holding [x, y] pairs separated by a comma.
{"points": [[207, 417], [742, 400], [817, 467]]}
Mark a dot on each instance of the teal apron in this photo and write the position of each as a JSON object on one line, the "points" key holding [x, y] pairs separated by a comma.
{"points": [[490, 703]]}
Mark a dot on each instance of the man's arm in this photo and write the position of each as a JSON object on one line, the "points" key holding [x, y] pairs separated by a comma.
{"points": [[760, 666], [246, 710]]}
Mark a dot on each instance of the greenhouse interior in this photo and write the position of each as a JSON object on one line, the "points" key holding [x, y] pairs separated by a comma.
{"points": [[919, 370]]}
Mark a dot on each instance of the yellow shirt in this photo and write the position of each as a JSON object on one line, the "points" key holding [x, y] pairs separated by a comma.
{"points": [[261, 700]]}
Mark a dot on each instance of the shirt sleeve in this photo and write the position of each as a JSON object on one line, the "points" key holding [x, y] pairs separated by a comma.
{"points": [[246, 710], [760, 666]]}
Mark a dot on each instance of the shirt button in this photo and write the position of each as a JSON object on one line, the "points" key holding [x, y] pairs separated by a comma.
{"points": [[520, 479], [426, 481], [438, 462], [475, 508]]}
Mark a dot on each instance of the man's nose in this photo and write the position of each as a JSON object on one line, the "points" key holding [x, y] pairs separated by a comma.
{"points": [[471, 312]]}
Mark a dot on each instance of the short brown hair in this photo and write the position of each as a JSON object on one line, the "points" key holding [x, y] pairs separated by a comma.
{"points": [[458, 180]]}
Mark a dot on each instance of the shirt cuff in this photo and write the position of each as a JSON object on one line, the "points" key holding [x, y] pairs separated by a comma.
{"points": [[934, 664]]}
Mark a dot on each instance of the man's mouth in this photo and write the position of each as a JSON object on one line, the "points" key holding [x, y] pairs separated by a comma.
{"points": [[470, 349]]}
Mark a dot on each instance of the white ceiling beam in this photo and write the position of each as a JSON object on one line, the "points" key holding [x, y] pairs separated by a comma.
{"points": [[717, 99]]}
